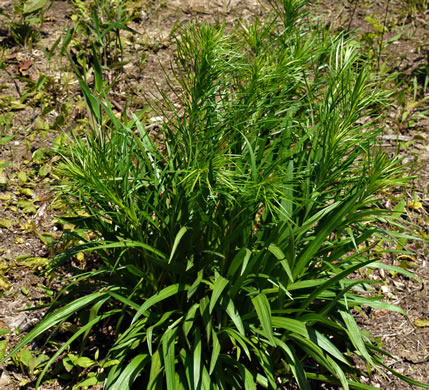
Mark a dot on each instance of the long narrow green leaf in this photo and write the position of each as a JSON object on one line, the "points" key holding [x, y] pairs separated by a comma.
{"points": [[215, 352], [267, 369], [249, 380], [195, 285], [326, 229], [130, 373], [332, 281], [324, 343], [150, 329], [277, 252], [235, 316], [401, 376], [168, 341], [290, 324], [124, 300], [206, 381], [98, 73], [254, 170], [241, 258], [355, 336], [66, 41], [219, 285], [236, 337], [127, 244], [94, 105], [394, 269], [197, 363], [75, 336], [263, 310], [165, 293], [156, 371], [190, 318], [179, 236], [316, 337], [377, 304], [352, 384], [313, 350], [60, 315], [295, 365]]}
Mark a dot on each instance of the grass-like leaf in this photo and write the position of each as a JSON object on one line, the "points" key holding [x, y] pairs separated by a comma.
{"points": [[225, 252]]}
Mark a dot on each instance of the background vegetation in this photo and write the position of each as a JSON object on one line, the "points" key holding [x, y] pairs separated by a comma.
{"points": [[222, 243]]}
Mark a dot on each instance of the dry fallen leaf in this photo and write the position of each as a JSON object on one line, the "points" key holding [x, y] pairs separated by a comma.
{"points": [[23, 67], [4, 284], [5, 223], [422, 323], [415, 205]]}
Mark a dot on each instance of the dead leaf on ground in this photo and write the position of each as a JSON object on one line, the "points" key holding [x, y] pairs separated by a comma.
{"points": [[422, 323]]}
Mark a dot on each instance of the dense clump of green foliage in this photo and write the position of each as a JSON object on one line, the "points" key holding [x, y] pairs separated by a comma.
{"points": [[225, 249]]}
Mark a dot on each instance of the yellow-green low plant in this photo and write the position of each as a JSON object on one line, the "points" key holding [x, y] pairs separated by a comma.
{"points": [[225, 249]]}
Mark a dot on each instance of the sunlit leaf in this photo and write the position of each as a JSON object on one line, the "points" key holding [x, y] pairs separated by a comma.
{"points": [[421, 323], [31, 6]]}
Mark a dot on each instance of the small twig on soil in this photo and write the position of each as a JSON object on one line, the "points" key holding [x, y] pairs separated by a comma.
{"points": [[353, 14], [16, 84], [380, 46], [117, 105], [392, 137], [148, 127]]}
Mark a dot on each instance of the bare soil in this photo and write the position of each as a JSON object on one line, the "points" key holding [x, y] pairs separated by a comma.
{"points": [[28, 209]]}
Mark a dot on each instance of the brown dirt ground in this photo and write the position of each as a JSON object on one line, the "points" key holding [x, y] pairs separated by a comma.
{"points": [[31, 210]]}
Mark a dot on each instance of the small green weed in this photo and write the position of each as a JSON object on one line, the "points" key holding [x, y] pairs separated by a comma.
{"points": [[27, 20], [30, 362], [416, 7], [97, 28]]}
